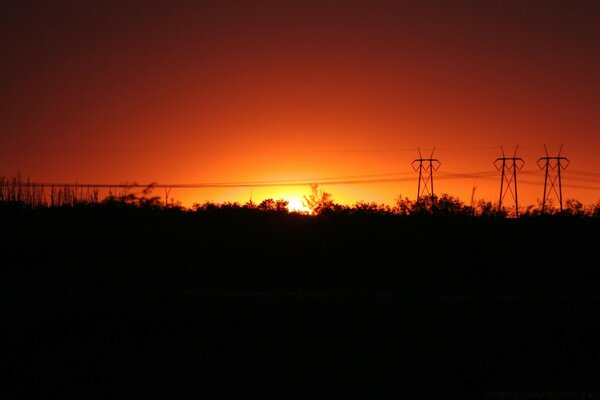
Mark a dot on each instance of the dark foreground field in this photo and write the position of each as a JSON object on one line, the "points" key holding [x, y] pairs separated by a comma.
{"points": [[230, 304]]}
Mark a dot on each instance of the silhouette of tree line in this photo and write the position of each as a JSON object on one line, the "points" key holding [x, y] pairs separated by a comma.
{"points": [[17, 192], [322, 203]]}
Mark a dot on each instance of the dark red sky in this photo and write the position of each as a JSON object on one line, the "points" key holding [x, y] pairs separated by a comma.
{"points": [[182, 92]]}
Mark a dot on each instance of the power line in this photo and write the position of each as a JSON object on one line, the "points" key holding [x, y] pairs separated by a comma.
{"points": [[308, 182], [583, 173], [426, 168]]}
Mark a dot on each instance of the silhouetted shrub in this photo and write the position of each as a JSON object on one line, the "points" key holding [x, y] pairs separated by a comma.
{"points": [[403, 206], [318, 201], [445, 205], [489, 209], [595, 210], [365, 208], [206, 206], [574, 208], [279, 205]]}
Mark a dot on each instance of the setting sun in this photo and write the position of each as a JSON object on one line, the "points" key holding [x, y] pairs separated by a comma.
{"points": [[296, 205]]}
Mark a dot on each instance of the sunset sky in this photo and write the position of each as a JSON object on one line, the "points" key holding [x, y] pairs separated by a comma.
{"points": [[251, 91]]}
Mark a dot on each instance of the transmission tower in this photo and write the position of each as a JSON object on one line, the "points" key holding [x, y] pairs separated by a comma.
{"points": [[552, 167], [426, 168], [509, 167]]}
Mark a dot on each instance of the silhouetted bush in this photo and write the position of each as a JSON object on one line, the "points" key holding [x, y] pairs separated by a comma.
{"points": [[488, 209], [364, 208], [594, 210], [318, 201], [574, 208]]}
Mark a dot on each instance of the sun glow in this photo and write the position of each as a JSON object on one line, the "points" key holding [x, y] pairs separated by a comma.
{"points": [[296, 205]]}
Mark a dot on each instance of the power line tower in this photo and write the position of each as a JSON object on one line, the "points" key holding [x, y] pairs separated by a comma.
{"points": [[552, 167], [509, 167], [426, 168]]}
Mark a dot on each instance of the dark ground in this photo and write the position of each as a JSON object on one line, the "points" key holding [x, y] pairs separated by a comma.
{"points": [[226, 304]]}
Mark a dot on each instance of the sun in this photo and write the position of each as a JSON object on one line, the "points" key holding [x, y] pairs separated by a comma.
{"points": [[296, 205]]}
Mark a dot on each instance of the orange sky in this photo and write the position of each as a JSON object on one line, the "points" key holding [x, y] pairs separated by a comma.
{"points": [[177, 92]]}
